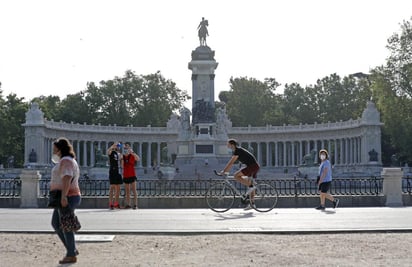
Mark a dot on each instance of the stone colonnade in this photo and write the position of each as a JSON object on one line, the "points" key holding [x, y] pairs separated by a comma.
{"points": [[343, 151], [352, 142], [86, 150]]}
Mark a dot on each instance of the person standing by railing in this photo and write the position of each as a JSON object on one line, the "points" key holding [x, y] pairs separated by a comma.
{"points": [[325, 180], [129, 175], [115, 178], [65, 178]]}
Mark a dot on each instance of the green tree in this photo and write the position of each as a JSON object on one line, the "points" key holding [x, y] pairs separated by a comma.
{"points": [[399, 63], [74, 108], [12, 116], [250, 102], [50, 106], [138, 100]]}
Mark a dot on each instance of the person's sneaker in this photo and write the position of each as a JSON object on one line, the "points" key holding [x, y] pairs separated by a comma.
{"points": [[111, 206], [127, 207], [250, 206], [135, 207], [116, 205], [335, 203], [320, 207]]}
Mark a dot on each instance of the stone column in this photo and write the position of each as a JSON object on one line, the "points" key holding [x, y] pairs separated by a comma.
{"points": [[392, 186], [29, 188]]}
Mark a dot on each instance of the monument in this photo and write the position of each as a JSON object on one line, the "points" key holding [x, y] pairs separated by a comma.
{"points": [[203, 138]]}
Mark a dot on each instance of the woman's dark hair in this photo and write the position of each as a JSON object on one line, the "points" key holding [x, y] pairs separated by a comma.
{"points": [[233, 142], [66, 149]]}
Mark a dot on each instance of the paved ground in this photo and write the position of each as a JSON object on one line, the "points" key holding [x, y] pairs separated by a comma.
{"points": [[174, 221]]}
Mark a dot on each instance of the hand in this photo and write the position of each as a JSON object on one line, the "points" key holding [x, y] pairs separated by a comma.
{"points": [[64, 201]]}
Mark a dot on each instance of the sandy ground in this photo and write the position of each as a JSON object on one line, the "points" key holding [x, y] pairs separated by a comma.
{"points": [[355, 249]]}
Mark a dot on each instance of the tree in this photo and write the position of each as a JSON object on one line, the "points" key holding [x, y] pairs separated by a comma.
{"points": [[74, 108], [49, 105], [12, 116], [399, 63], [138, 100], [249, 101]]}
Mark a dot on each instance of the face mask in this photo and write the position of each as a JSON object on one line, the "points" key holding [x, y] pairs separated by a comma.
{"points": [[230, 151], [322, 157], [55, 158]]}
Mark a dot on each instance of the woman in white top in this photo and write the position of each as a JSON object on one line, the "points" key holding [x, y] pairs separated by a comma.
{"points": [[65, 177]]}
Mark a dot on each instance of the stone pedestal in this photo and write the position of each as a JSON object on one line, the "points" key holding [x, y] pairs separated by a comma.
{"points": [[29, 188], [392, 186]]}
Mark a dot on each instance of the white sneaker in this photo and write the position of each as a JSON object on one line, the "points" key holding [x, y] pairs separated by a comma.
{"points": [[250, 207]]}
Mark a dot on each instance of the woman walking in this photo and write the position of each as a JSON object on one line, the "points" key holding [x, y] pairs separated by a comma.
{"points": [[65, 178]]}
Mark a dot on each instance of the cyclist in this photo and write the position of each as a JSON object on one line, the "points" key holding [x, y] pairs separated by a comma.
{"points": [[246, 158]]}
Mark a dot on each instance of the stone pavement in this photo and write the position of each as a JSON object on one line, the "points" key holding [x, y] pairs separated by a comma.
{"points": [[197, 221]]}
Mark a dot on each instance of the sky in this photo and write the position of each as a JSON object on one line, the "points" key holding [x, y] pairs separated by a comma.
{"points": [[54, 47]]}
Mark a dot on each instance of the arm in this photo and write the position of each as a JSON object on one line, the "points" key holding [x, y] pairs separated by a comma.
{"points": [[323, 174], [136, 157], [110, 149], [66, 180], [230, 163]]}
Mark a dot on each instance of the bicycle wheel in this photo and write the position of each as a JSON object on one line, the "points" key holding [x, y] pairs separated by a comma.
{"points": [[220, 197], [266, 198]]}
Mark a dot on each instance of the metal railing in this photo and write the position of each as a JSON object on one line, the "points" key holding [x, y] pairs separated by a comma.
{"points": [[198, 188], [10, 187]]}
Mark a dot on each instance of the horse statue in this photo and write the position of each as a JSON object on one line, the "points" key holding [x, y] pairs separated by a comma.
{"points": [[202, 32], [309, 159]]}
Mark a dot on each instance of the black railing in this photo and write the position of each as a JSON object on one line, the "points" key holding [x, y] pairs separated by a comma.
{"points": [[10, 187], [198, 188]]}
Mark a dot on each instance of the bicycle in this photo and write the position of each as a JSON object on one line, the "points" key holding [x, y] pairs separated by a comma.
{"points": [[221, 195]]}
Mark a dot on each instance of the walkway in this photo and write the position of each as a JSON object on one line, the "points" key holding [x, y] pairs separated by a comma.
{"points": [[203, 221]]}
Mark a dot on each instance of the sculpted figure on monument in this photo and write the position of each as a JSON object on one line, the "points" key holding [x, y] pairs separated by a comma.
{"points": [[33, 156], [309, 159], [373, 155], [202, 32], [203, 112], [101, 160]]}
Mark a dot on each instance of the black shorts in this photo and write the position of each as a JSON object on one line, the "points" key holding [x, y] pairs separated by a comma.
{"points": [[115, 178], [129, 180], [324, 187]]}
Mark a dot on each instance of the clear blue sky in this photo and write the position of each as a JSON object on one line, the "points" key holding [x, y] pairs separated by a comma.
{"points": [[50, 47]]}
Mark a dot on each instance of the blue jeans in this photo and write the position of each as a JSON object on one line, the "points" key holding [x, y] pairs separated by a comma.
{"points": [[67, 238]]}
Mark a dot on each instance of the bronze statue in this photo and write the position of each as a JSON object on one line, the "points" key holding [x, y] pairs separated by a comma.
{"points": [[202, 31], [309, 159]]}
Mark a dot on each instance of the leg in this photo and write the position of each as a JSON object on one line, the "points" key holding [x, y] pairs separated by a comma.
{"points": [[322, 199], [71, 250], [127, 192], [56, 226], [117, 192], [330, 197], [238, 176], [111, 195], [134, 193]]}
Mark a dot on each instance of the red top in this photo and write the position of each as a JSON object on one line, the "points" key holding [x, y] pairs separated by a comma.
{"points": [[128, 166]]}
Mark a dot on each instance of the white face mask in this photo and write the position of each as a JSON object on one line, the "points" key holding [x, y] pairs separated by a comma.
{"points": [[322, 157], [230, 151], [55, 158]]}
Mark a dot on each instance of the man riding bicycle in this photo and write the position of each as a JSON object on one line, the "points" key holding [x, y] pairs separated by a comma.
{"points": [[246, 158]]}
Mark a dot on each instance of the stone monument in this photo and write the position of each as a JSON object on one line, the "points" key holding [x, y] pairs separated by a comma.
{"points": [[203, 138]]}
